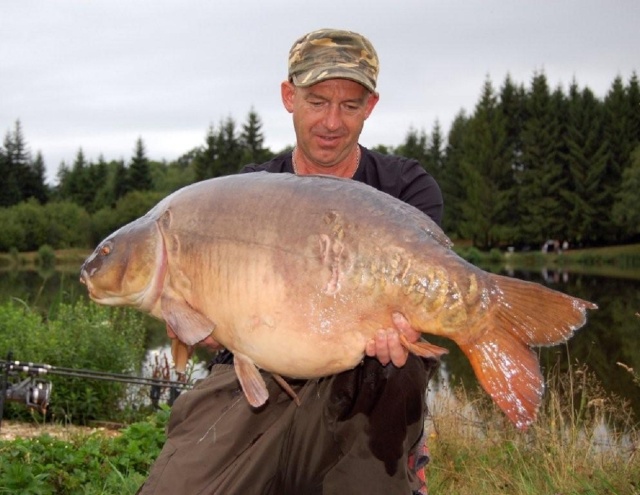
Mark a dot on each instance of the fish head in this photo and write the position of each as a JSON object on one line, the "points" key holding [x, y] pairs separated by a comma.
{"points": [[127, 268]]}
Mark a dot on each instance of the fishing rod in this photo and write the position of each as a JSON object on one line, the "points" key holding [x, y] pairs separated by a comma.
{"points": [[35, 392]]}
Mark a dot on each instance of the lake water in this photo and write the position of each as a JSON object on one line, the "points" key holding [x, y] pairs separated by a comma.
{"points": [[611, 336]]}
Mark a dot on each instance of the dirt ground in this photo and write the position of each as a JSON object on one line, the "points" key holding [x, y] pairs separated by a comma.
{"points": [[10, 430]]}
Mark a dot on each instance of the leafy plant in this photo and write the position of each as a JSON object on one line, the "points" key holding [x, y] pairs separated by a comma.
{"points": [[85, 464]]}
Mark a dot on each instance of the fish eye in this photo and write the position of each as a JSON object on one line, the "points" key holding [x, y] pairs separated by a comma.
{"points": [[105, 250]]}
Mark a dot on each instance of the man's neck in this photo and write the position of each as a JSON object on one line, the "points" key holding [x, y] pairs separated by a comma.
{"points": [[346, 168]]}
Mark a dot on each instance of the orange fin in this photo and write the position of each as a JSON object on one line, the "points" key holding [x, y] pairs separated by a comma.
{"points": [[423, 349], [536, 314], [180, 353], [251, 380], [509, 371], [521, 315], [287, 388]]}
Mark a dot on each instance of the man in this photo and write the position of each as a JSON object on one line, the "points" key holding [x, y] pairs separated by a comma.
{"points": [[359, 432]]}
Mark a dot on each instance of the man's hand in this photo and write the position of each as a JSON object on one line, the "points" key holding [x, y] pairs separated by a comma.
{"points": [[386, 346]]}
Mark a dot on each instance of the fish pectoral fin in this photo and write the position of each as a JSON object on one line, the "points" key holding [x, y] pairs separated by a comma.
{"points": [[180, 353], [188, 324], [287, 388], [509, 371], [250, 380], [423, 349]]}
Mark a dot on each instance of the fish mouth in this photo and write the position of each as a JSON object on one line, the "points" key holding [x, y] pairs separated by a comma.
{"points": [[84, 280]]}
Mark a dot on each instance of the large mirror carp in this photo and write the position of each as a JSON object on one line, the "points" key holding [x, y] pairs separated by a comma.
{"points": [[294, 274]]}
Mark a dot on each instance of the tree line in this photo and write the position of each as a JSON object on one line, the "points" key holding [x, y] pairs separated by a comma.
{"points": [[530, 163]]}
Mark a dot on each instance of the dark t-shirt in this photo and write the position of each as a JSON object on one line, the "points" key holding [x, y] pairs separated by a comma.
{"points": [[402, 178]]}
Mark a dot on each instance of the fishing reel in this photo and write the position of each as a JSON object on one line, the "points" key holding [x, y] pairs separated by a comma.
{"points": [[33, 392]]}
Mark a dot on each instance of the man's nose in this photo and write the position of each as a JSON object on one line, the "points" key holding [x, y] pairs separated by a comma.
{"points": [[333, 119]]}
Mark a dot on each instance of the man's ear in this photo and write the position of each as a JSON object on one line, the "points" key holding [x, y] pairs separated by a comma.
{"points": [[371, 104], [287, 92]]}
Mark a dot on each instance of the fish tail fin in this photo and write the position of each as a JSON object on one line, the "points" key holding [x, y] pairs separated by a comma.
{"points": [[524, 314], [537, 314], [509, 372]]}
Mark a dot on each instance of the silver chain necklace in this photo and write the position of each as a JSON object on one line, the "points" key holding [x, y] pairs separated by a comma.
{"points": [[295, 165]]}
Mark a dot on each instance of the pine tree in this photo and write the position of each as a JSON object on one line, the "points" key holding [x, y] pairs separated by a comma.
{"points": [[18, 166], [541, 178], [37, 187], [487, 176], [414, 146], [98, 179], [139, 170], [588, 201], [252, 140], [205, 158], [626, 210], [121, 181], [512, 104], [435, 159], [9, 189], [451, 179], [229, 149], [77, 187]]}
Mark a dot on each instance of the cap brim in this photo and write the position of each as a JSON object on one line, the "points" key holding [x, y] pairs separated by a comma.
{"points": [[317, 75]]}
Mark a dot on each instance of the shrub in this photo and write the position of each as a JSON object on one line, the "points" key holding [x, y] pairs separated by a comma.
{"points": [[76, 336], [46, 256], [87, 464]]}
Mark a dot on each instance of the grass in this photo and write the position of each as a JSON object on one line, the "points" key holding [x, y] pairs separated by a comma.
{"points": [[583, 442]]}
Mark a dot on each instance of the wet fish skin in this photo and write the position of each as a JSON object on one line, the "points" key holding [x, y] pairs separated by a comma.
{"points": [[295, 274]]}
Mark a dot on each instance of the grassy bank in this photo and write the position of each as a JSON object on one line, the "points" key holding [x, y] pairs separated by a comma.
{"points": [[584, 442]]}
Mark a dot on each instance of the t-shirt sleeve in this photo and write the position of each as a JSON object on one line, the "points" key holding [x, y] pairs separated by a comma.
{"points": [[421, 190], [251, 167]]}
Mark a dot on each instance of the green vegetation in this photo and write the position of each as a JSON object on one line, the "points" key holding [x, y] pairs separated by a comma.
{"points": [[77, 336], [585, 441], [86, 464]]}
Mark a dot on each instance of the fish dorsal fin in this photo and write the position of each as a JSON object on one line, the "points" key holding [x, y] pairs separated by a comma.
{"points": [[251, 380]]}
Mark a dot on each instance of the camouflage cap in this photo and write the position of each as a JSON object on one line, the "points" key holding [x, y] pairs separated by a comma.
{"points": [[333, 54]]}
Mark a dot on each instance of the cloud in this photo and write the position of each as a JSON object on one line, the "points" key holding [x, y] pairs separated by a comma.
{"points": [[100, 74]]}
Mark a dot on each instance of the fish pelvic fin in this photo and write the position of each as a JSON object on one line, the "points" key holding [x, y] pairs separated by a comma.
{"points": [[189, 325], [422, 348], [250, 380], [180, 353], [509, 372]]}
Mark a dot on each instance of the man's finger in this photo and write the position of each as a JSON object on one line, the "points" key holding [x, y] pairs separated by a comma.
{"points": [[397, 353]]}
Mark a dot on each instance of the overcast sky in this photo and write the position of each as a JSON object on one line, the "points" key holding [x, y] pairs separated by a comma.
{"points": [[98, 74]]}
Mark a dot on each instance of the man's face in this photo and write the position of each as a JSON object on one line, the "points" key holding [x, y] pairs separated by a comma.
{"points": [[328, 117]]}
